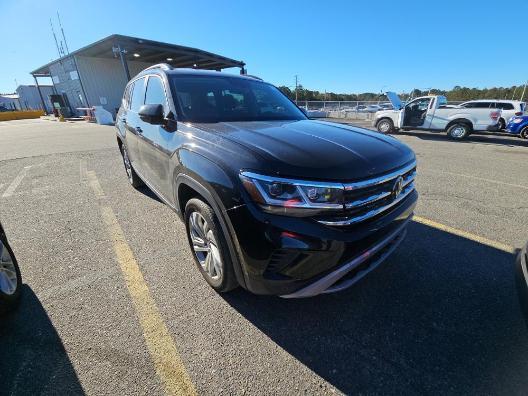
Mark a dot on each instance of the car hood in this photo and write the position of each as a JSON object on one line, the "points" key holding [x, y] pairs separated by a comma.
{"points": [[394, 99], [315, 149]]}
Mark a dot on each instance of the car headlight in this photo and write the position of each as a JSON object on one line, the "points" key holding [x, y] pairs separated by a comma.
{"points": [[281, 195], [517, 120]]}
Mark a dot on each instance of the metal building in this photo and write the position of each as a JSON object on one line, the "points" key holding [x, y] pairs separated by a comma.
{"points": [[96, 75], [29, 98]]}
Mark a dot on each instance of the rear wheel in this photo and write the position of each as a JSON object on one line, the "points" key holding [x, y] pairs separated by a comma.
{"points": [[458, 131], [502, 124], [132, 176], [385, 125], [524, 132], [209, 246], [10, 278]]}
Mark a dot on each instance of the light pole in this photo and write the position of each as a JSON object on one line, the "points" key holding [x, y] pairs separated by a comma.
{"points": [[296, 84]]}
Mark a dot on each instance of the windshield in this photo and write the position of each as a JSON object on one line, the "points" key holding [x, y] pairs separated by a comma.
{"points": [[224, 99]]}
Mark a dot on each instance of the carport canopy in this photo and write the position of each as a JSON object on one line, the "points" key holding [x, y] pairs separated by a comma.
{"points": [[133, 48]]}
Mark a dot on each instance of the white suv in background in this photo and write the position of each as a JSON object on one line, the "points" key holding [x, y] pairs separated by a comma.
{"points": [[509, 108]]}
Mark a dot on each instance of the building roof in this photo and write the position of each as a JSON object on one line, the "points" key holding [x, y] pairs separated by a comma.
{"points": [[149, 51]]}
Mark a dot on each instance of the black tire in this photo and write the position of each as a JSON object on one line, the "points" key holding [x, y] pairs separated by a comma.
{"points": [[226, 280], [502, 124], [385, 125], [9, 300], [132, 176], [524, 133], [459, 131]]}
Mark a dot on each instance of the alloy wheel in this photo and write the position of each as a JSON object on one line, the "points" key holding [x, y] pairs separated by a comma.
{"points": [[458, 132], [384, 127], [205, 246], [8, 274]]}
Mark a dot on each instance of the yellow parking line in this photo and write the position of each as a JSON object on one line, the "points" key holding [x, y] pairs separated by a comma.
{"points": [[465, 234], [167, 361]]}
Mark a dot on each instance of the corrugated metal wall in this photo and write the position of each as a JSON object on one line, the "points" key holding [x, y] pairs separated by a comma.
{"points": [[104, 79], [29, 97], [65, 80]]}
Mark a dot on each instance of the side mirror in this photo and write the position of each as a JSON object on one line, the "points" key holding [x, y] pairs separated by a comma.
{"points": [[152, 113]]}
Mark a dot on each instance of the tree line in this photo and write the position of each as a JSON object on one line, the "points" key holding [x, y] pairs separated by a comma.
{"points": [[458, 93]]}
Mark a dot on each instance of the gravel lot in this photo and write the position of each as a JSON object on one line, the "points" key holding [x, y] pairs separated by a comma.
{"points": [[441, 316]]}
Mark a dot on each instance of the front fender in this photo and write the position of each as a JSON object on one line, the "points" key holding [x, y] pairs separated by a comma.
{"points": [[208, 174]]}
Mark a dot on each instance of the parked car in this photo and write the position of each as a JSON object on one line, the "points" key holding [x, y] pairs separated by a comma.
{"points": [[271, 200], [518, 125], [509, 108], [10, 278], [373, 108], [521, 271], [430, 113]]}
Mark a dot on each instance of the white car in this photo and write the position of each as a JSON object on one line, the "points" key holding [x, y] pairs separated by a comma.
{"points": [[509, 108], [431, 113]]}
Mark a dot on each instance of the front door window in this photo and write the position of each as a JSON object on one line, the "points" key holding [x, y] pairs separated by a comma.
{"points": [[415, 112]]}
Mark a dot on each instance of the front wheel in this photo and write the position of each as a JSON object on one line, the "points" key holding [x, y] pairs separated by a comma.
{"points": [[458, 131], [209, 246], [10, 278], [385, 125], [524, 132]]}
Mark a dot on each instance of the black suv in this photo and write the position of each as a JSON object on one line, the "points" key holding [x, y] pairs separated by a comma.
{"points": [[271, 200]]}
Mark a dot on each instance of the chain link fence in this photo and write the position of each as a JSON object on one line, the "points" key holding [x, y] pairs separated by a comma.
{"points": [[358, 109]]}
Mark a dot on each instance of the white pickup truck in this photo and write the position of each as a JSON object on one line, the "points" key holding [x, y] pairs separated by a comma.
{"points": [[432, 113]]}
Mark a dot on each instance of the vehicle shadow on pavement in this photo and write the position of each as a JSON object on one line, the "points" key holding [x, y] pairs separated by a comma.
{"points": [[483, 138], [440, 316], [32, 357], [149, 193]]}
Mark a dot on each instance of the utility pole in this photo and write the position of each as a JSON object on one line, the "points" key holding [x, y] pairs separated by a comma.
{"points": [[515, 90], [63, 35], [55, 37], [296, 80], [524, 89]]}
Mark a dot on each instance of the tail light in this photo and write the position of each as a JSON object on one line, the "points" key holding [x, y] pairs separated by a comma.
{"points": [[519, 113], [495, 115]]}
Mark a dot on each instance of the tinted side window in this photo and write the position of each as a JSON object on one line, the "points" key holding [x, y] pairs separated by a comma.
{"points": [[483, 105], [505, 106], [138, 95], [155, 92]]}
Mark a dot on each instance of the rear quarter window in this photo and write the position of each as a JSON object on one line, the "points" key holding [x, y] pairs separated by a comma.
{"points": [[138, 95]]}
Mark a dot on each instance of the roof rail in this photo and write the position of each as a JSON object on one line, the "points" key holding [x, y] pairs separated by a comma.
{"points": [[164, 66], [251, 76]]}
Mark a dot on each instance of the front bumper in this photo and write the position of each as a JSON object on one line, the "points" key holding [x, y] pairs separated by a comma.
{"points": [[299, 257], [337, 280]]}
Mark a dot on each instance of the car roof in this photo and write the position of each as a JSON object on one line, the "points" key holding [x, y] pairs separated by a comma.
{"points": [[494, 100]]}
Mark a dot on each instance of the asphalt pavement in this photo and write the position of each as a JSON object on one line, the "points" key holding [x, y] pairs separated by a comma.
{"points": [[113, 304]]}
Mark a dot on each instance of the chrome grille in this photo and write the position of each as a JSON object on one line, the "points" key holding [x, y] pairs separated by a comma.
{"points": [[369, 198]]}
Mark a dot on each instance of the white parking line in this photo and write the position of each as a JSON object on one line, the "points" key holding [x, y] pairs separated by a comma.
{"points": [[15, 183], [82, 170]]}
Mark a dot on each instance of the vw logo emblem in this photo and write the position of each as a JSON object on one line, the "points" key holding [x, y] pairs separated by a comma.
{"points": [[398, 187]]}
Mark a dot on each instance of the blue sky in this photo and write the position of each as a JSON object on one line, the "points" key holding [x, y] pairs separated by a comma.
{"points": [[340, 46]]}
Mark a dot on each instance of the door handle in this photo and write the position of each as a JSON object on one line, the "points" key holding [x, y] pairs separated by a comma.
{"points": [[139, 130]]}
